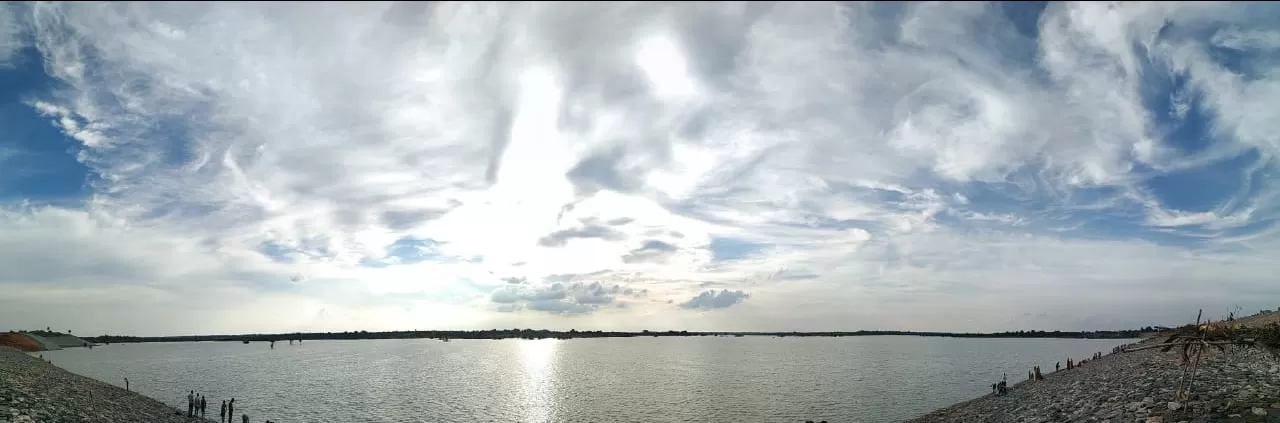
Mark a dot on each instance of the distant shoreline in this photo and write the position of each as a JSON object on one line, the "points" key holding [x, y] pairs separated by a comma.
{"points": [[574, 334]]}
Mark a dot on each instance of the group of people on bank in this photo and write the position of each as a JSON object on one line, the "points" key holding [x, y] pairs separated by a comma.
{"points": [[1033, 374], [197, 404]]}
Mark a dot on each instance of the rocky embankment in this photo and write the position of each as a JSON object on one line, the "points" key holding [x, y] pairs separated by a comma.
{"points": [[34, 391], [1240, 385]]}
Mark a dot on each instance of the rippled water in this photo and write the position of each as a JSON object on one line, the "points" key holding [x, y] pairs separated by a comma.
{"points": [[709, 379]]}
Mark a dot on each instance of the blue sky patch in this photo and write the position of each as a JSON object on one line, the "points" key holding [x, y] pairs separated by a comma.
{"points": [[1204, 188], [277, 252], [38, 161], [727, 249], [406, 251]]}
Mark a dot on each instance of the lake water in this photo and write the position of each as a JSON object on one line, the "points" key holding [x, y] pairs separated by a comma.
{"points": [[670, 379]]}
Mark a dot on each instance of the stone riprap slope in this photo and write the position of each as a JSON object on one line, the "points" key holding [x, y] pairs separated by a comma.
{"points": [[1240, 385], [46, 344], [1259, 319], [34, 391]]}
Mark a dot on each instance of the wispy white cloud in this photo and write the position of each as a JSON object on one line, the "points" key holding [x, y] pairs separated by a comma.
{"points": [[917, 162], [11, 34]]}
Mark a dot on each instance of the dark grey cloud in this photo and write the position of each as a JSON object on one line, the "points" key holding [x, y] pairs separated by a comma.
{"points": [[560, 307], [576, 277], [562, 237], [792, 275], [652, 251], [604, 170], [561, 298], [713, 300], [404, 219], [621, 221]]}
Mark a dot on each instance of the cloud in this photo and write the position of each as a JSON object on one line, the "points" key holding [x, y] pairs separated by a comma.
{"points": [[11, 32], [560, 298], [713, 299], [903, 166], [649, 251], [561, 237]]}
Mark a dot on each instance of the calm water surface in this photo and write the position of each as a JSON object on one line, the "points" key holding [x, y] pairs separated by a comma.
{"points": [[706, 379]]}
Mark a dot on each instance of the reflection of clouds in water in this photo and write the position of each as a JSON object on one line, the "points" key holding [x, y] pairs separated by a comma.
{"points": [[539, 359]]}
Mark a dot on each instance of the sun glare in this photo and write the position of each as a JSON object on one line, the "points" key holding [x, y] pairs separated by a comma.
{"points": [[538, 358], [665, 66]]}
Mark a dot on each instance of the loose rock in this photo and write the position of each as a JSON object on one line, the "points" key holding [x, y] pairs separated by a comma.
{"points": [[34, 391], [1127, 387]]}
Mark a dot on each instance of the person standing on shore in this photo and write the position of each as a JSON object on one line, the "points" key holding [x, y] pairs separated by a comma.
{"points": [[191, 402], [222, 411], [231, 409], [203, 405]]}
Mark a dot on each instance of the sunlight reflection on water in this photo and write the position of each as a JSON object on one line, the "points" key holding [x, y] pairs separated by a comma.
{"points": [[538, 358]]}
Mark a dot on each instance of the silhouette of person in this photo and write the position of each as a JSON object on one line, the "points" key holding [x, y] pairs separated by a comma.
{"points": [[244, 418], [231, 409], [203, 405], [1057, 367], [222, 411], [191, 402]]}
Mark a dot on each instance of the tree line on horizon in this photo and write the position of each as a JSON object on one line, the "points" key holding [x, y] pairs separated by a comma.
{"points": [[572, 334]]}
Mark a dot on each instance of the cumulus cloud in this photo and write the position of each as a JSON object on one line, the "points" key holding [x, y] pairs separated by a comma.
{"points": [[440, 163], [560, 298], [712, 299]]}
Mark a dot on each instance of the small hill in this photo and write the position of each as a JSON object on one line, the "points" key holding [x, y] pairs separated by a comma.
{"points": [[20, 341], [1260, 319]]}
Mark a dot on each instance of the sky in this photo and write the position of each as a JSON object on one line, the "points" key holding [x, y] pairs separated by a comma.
{"points": [[193, 168]]}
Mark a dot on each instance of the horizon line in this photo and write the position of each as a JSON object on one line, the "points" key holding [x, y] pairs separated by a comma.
{"points": [[1155, 328]]}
